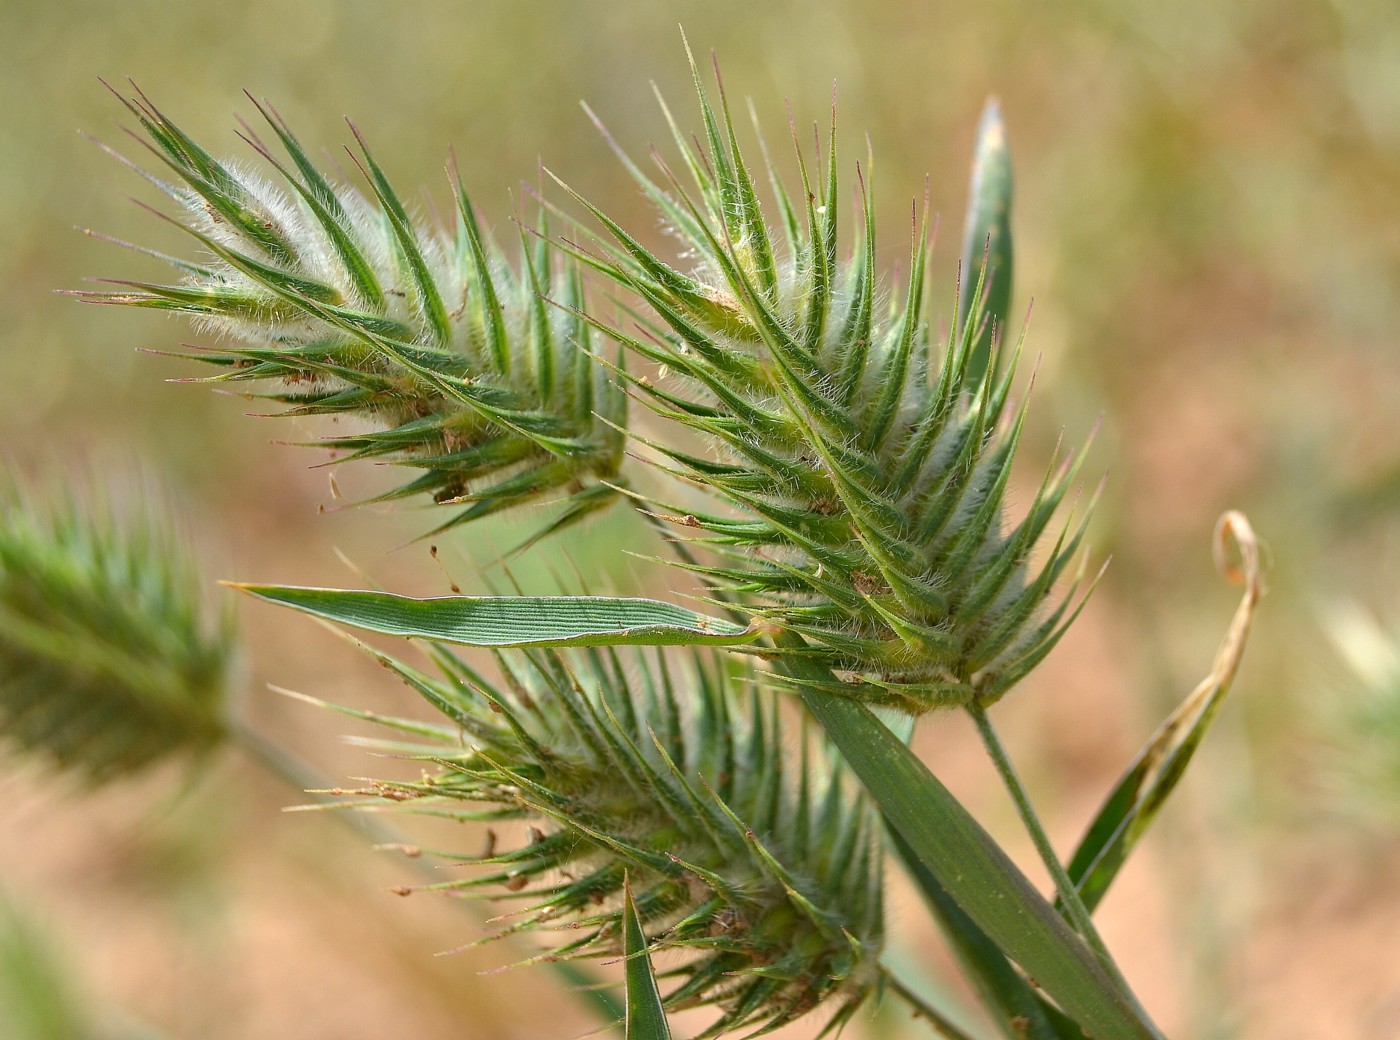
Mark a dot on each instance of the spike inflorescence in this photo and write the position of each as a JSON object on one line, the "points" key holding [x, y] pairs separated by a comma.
{"points": [[870, 466], [355, 308], [757, 878], [108, 658]]}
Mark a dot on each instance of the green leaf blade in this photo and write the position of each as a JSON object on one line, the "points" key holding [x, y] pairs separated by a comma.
{"points": [[1018, 1011], [971, 867], [512, 621], [1139, 795]]}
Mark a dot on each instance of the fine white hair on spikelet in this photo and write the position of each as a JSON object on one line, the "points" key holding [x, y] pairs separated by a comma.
{"points": [[869, 463], [346, 304]]}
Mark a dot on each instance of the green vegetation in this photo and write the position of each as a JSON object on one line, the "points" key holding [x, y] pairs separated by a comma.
{"points": [[835, 443]]}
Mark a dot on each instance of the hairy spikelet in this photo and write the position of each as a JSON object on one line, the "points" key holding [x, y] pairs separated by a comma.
{"points": [[108, 659], [355, 308], [755, 871], [870, 465]]}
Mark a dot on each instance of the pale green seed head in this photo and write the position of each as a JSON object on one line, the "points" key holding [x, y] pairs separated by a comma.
{"points": [[1360, 721], [867, 465], [346, 304], [109, 656]]}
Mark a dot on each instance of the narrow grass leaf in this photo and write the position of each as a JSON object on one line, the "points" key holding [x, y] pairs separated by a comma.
{"points": [[971, 867], [1018, 1011], [543, 621], [1137, 798]]}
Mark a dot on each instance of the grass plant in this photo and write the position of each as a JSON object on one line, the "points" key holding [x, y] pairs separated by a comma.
{"points": [[847, 511]]}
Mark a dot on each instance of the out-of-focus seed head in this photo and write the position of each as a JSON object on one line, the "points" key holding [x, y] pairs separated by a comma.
{"points": [[1361, 727], [109, 658]]}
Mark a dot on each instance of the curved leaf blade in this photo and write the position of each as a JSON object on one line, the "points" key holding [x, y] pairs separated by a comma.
{"points": [[1137, 798], [512, 621]]}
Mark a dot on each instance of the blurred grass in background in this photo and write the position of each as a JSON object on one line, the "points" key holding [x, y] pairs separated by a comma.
{"points": [[1208, 220]]}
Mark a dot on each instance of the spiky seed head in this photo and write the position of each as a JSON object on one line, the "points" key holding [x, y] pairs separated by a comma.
{"points": [[109, 659], [756, 877], [870, 469], [348, 305]]}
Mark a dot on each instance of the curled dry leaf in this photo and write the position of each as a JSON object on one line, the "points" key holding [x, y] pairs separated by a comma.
{"points": [[1130, 809]]}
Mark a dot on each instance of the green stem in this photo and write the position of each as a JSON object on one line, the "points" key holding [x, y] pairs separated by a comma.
{"points": [[1073, 906], [291, 770], [922, 1009]]}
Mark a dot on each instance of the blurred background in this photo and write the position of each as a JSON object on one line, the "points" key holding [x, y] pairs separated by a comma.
{"points": [[1208, 222]]}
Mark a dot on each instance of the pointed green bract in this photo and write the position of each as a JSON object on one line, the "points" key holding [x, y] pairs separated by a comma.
{"points": [[757, 876], [871, 464], [646, 1017], [109, 658], [988, 251], [346, 305]]}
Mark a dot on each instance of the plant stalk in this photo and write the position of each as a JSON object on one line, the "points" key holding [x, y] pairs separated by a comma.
{"points": [[922, 1009], [1073, 906]]}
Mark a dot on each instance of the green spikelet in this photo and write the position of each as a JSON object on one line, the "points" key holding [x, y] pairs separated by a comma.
{"points": [[108, 660], [871, 468], [755, 872], [354, 308]]}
